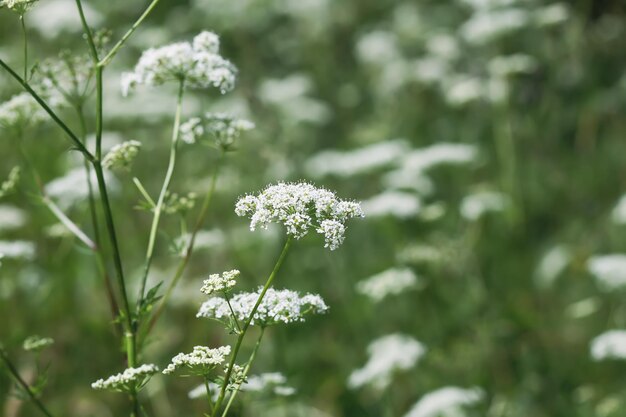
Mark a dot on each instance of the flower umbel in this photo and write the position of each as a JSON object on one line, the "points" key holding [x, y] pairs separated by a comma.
{"points": [[197, 63], [18, 6], [121, 156], [221, 128], [300, 207], [220, 283], [37, 343], [201, 361], [131, 380], [278, 306]]}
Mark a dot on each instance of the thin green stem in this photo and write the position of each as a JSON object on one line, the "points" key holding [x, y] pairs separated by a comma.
{"points": [[23, 384], [88, 34], [105, 61], [208, 394], [232, 312], [189, 249], [247, 323], [164, 188], [246, 369], [23, 24], [48, 110]]}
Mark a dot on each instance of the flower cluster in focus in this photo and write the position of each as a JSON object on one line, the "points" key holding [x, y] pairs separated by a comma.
{"points": [[197, 63], [278, 306], [300, 207], [223, 129], [121, 156], [219, 283], [131, 380], [201, 361]]}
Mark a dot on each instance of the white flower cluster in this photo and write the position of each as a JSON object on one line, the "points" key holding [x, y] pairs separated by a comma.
{"points": [[476, 205], [300, 207], [197, 63], [278, 306], [609, 345], [387, 355], [9, 185], [220, 283], [201, 361], [18, 6], [446, 401], [618, 215], [609, 270], [400, 204], [17, 249], [21, 110], [390, 282], [132, 379], [121, 156], [270, 381], [36, 343], [223, 128]]}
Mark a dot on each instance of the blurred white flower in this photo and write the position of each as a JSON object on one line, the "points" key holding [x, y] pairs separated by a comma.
{"points": [[443, 45], [503, 66], [377, 47], [11, 217], [357, 161], [17, 249], [388, 354], [487, 25], [552, 14], [21, 110], [552, 264], [72, 188], [609, 345], [197, 63], [392, 203], [461, 90], [439, 154], [619, 212], [446, 402], [430, 69], [390, 282], [608, 270], [475, 205], [205, 239], [53, 17]]}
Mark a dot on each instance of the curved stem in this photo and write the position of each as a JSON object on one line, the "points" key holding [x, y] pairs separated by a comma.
{"points": [[105, 61], [246, 325], [245, 373], [166, 184], [23, 384], [190, 245]]}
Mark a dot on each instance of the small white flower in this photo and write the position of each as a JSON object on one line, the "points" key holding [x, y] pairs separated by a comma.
{"points": [[222, 129], [36, 343], [609, 345], [300, 207], [552, 264], [220, 283], [17, 249], [11, 217], [201, 361], [388, 354], [197, 63], [278, 306], [131, 380], [608, 270], [487, 25], [18, 6], [619, 212], [399, 204], [503, 66], [446, 401], [389, 282], [552, 14]]}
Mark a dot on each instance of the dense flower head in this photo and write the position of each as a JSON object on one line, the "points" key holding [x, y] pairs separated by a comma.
{"points": [[221, 128], [197, 63], [18, 6], [131, 380], [21, 110], [121, 156], [446, 401], [278, 306], [300, 207], [201, 361], [219, 282]]}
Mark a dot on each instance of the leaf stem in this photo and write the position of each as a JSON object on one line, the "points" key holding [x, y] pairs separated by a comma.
{"points": [[23, 24]]}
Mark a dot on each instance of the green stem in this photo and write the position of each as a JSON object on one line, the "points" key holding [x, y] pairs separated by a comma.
{"points": [[166, 183], [246, 325], [208, 394], [23, 384], [48, 110], [23, 24], [189, 249], [88, 34], [245, 373], [105, 61]]}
